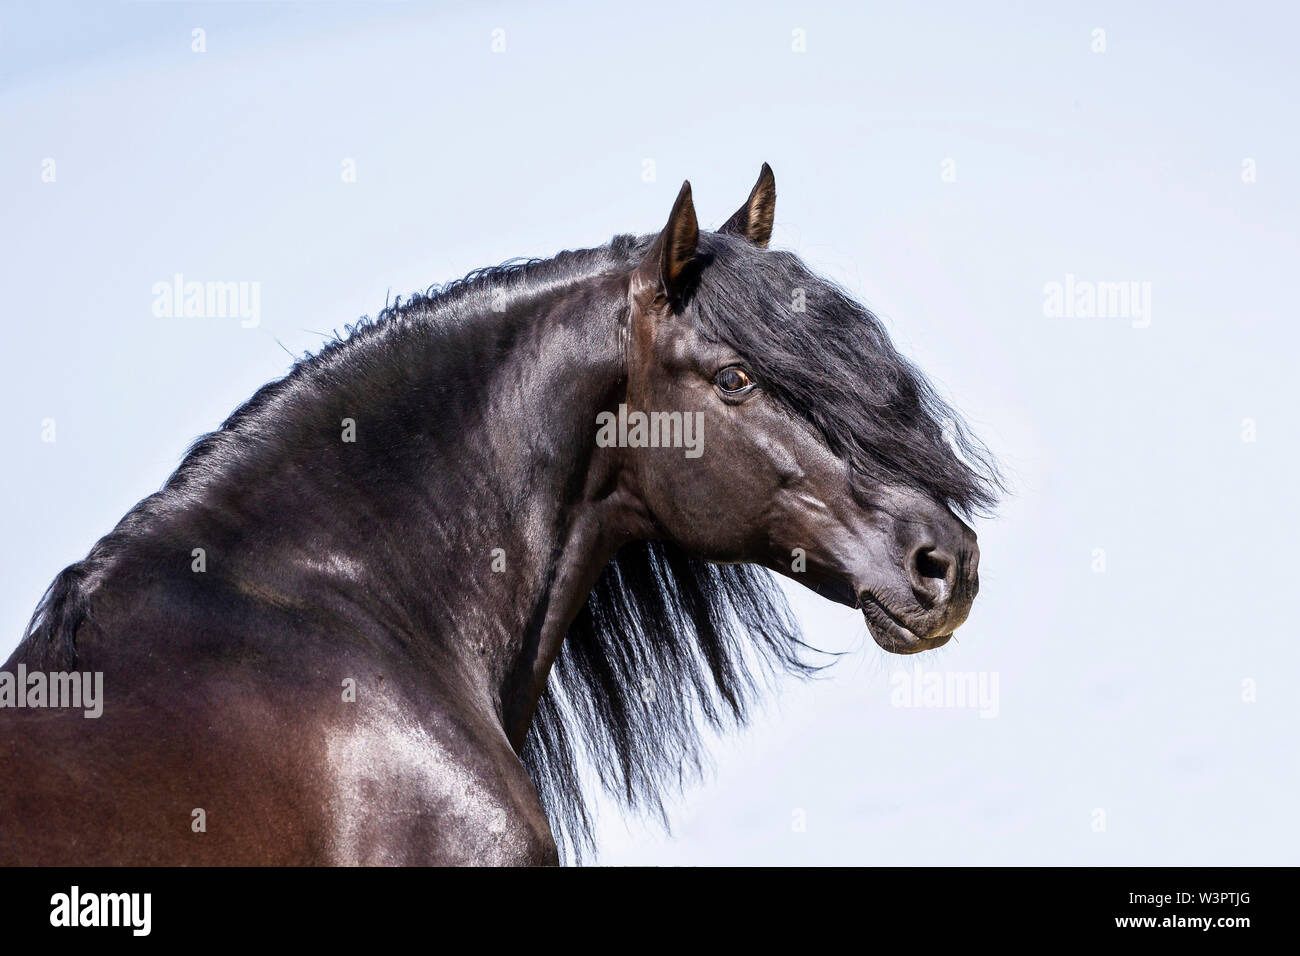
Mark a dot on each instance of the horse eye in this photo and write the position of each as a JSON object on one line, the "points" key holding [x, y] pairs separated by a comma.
{"points": [[733, 380]]}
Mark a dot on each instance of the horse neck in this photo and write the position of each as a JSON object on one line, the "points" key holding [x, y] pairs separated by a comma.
{"points": [[474, 511], [549, 508]]}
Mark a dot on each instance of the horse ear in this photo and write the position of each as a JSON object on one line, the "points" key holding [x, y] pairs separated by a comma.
{"points": [[665, 264], [753, 220]]}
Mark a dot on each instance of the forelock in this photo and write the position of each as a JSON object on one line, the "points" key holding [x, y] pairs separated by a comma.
{"points": [[828, 359]]}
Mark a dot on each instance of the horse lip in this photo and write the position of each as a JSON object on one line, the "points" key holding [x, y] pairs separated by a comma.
{"points": [[891, 633]]}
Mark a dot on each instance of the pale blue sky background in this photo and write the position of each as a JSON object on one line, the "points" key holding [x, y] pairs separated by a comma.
{"points": [[1119, 691]]}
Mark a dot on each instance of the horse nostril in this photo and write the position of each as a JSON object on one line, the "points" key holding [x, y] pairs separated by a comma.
{"points": [[933, 564], [932, 572]]}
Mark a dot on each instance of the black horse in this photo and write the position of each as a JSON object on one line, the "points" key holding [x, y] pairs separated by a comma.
{"points": [[390, 607]]}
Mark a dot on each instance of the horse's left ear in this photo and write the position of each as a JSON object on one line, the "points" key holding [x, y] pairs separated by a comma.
{"points": [[665, 266], [753, 220]]}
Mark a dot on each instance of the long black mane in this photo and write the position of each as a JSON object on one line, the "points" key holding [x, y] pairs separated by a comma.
{"points": [[445, 313], [666, 644]]}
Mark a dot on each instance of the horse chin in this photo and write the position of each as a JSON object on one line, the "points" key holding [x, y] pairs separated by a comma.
{"points": [[891, 634]]}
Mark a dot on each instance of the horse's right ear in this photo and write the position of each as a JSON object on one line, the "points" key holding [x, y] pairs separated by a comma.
{"points": [[753, 221], [665, 268]]}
